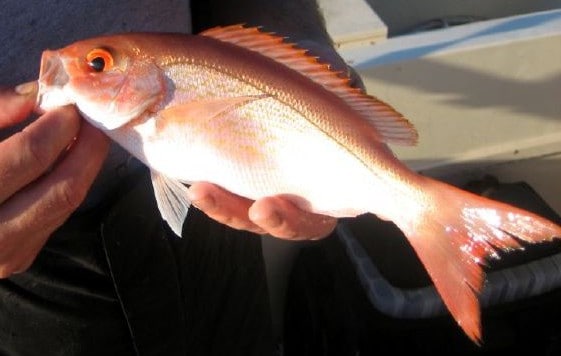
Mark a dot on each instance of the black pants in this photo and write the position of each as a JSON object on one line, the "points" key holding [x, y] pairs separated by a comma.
{"points": [[115, 281]]}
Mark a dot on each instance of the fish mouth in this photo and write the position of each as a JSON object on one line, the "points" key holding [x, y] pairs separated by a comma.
{"points": [[52, 79]]}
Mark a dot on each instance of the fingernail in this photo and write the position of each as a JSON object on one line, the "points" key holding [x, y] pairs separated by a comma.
{"points": [[26, 88]]}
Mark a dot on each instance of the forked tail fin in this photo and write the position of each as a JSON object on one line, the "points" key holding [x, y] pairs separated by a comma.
{"points": [[455, 231]]}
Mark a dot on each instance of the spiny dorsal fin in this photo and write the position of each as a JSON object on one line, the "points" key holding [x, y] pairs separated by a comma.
{"points": [[391, 125]]}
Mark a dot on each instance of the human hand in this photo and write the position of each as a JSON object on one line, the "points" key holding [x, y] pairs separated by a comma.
{"points": [[45, 173], [275, 215]]}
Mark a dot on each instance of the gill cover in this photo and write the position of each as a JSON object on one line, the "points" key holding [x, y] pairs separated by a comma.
{"points": [[108, 89]]}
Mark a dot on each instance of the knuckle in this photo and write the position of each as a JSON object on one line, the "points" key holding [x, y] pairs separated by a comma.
{"points": [[34, 151], [240, 223], [291, 235], [286, 232], [256, 229], [70, 195], [7, 270], [230, 221], [234, 222]]}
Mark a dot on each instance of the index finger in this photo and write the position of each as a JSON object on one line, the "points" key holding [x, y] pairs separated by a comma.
{"points": [[17, 103]]}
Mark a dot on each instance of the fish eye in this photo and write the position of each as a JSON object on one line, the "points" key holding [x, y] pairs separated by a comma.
{"points": [[97, 64], [99, 59]]}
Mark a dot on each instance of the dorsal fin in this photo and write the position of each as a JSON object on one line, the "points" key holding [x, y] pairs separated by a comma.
{"points": [[391, 125]]}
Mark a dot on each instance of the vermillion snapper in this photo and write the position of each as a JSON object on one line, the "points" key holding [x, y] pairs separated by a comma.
{"points": [[243, 109]]}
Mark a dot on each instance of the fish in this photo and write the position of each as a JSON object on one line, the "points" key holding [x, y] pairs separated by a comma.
{"points": [[259, 116]]}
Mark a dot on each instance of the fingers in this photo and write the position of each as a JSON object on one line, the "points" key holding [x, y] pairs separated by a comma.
{"points": [[223, 206], [30, 216], [69, 182], [35, 149], [283, 219], [16, 104], [276, 216]]}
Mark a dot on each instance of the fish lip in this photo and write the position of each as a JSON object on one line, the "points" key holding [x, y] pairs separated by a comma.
{"points": [[52, 74]]}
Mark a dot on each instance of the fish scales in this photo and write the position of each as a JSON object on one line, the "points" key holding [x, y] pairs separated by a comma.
{"points": [[265, 123]]}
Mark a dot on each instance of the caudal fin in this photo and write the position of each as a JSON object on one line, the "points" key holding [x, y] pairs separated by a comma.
{"points": [[453, 234]]}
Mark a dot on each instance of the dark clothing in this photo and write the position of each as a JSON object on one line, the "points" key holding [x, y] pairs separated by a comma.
{"points": [[328, 311], [116, 281]]}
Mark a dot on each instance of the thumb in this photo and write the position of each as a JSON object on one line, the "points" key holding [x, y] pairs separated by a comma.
{"points": [[16, 104]]}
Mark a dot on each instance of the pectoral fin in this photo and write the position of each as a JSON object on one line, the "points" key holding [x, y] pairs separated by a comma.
{"points": [[204, 109], [172, 199]]}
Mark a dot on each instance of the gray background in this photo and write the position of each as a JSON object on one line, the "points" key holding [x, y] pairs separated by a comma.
{"points": [[28, 27]]}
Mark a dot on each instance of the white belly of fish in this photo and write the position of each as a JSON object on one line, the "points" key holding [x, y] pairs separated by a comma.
{"points": [[261, 149]]}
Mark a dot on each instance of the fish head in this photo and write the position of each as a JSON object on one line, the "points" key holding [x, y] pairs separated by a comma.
{"points": [[111, 80]]}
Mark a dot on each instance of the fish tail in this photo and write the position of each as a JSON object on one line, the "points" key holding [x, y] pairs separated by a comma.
{"points": [[453, 232]]}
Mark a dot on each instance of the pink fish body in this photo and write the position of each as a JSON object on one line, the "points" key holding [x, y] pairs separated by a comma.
{"points": [[245, 110]]}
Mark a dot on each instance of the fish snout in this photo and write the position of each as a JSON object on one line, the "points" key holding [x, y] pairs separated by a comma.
{"points": [[52, 79]]}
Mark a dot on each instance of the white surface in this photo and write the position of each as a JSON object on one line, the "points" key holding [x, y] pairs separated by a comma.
{"points": [[456, 39], [402, 16], [352, 23], [477, 93]]}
